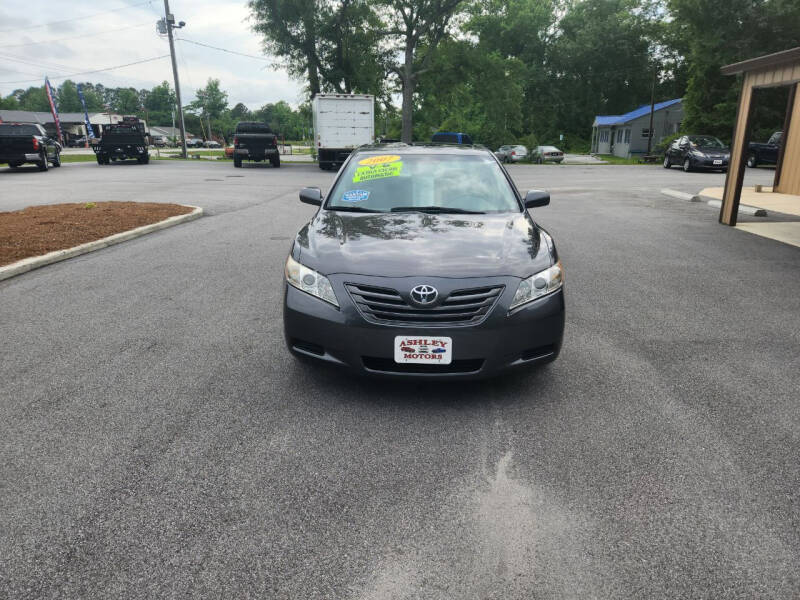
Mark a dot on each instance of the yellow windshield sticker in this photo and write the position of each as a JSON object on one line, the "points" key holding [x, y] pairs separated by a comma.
{"points": [[379, 171], [379, 160]]}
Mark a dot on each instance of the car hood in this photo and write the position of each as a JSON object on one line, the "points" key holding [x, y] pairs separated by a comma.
{"points": [[418, 244]]}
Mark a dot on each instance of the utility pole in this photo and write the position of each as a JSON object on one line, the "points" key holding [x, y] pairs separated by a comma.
{"points": [[652, 110], [170, 25]]}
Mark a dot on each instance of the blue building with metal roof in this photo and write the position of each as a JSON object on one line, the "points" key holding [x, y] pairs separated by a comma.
{"points": [[627, 135]]}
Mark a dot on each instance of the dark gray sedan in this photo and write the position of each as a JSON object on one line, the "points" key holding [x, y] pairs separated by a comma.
{"points": [[423, 261]]}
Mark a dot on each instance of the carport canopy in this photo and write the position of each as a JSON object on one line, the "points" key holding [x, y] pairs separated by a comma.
{"points": [[779, 69]]}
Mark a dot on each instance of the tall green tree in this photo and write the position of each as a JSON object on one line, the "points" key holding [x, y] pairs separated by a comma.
{"points": [[332, 44], [160, 103], [33, 98], [713, 38], [211, 101], [413, 31], [67, 97], [601, 61]]}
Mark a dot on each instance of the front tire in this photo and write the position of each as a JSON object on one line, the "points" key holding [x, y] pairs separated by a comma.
{"points": [[275, 162], [752, 160], [687, 165], [237, 162], [667, 162], [57, 159]]}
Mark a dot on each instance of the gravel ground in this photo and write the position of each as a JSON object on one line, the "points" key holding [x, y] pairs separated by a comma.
{"points": [[156, 440]]}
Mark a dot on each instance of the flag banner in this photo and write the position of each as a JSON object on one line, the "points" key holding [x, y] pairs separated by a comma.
{"points": [[89, 130], [53, 108]]}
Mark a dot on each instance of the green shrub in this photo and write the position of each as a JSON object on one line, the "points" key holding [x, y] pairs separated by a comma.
{"points": [[661, 146]]}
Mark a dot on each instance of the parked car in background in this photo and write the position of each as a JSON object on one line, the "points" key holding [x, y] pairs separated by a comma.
{"points": [[255, 141], [698, 152], [194, 143], [78, 142], [764, 154], [449, 137], [26, 143], [508, 154], [212, 144], [122, 141], [543, 154], [159, 141]]}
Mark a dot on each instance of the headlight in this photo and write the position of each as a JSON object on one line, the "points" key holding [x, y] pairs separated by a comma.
{"points": [[309, 281], [541, 284]]}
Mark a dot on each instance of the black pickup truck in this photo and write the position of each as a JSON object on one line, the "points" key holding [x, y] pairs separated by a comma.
{"points": [[122, 141], [27, 143], [764, 154], [255, 141]]}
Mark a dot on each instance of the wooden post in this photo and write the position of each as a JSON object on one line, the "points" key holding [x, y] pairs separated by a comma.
{"points": [[786, 124], [729, 211]]}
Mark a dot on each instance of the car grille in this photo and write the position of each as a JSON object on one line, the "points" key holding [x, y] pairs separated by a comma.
{"points": [[387, 306]]}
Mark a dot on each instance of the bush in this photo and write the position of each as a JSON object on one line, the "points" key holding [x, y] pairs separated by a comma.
{"points": [[661, 146]]}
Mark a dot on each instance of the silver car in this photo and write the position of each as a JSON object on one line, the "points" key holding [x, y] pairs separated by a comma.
{"points": [[507, 154], [543, 154]]}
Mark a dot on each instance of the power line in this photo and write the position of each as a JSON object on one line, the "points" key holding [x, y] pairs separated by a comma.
{"points": [[222, 49], [84, 17], [138, 62], [77, 37]]}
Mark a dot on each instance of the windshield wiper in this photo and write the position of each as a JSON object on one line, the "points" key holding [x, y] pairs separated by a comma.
{"points": [[360, 209], [437, 210]]}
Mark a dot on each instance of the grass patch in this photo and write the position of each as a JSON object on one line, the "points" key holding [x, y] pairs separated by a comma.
{"points": [[68, 158]]}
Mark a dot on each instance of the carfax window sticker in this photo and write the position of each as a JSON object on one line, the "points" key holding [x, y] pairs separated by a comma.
{"points": [[355, 196], [379, 171]]}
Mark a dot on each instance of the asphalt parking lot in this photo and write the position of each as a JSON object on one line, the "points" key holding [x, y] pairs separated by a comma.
{"points": [[156, 439]]}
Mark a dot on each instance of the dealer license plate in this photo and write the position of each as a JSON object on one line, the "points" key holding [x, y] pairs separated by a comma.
{"points": [[423, 350], [717, 162]]}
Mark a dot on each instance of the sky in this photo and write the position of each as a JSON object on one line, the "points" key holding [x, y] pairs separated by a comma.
{"points": [[57, 38]]}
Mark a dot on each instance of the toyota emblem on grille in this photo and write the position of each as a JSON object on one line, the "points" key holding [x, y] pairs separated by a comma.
{"points": [[424, 294]]}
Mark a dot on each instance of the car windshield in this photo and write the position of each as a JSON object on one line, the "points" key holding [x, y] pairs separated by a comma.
{"points": [[706, 141], [443, 183]]}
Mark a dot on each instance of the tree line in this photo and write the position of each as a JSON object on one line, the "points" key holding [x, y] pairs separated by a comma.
{"points": [[504, 71], [526, 70], [208, 116]]}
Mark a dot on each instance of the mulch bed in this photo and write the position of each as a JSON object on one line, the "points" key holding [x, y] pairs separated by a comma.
{"points": [[37, 230]]}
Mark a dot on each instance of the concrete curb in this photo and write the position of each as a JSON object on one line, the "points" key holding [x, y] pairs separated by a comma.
{"points": [[34, 262], [744, 209], [680, 195]]}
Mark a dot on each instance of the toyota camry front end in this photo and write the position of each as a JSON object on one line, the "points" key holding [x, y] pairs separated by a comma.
{"points": [[423, 261]]}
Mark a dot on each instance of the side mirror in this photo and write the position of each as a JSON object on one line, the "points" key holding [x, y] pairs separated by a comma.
{"points": [[536, 198], [311, 195]]}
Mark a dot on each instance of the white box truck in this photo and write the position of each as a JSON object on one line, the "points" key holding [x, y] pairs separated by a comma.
{"points": [[341, 122]]}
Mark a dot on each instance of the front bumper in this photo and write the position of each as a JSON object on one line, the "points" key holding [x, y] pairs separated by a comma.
{"points": [[708, 163], [529, 335]]}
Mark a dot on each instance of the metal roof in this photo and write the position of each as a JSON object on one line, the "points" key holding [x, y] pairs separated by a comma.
{"points": [[761, 62], [644, 109], [29, 116]]}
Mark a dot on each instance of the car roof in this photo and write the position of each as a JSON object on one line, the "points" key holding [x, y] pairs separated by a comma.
{"points": [[424, 148]]}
